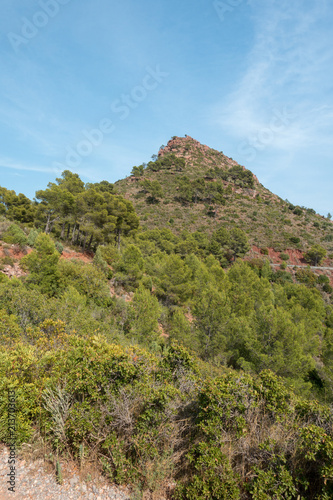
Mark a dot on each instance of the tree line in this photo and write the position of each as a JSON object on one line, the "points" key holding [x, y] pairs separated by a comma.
{"points": [[82, 214]]}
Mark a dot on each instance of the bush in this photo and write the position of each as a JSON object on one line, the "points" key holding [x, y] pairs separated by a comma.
{"points": [[327, 288], [212, 476], [156, 420], [306, 276], [59, 247], [284, 256], [15, 235], [274, 483], [315, 255], [130, 267], [87, 279], [42, 264], [101, 263], [322, 279], [32, 236]]}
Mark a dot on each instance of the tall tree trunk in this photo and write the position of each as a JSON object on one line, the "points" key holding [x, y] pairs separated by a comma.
{"points": [[62, 235], [47, 227], [51, 225], [84, 241], [118, 240], [68, 229], [73, 235], [90, 241], [78, 236]]}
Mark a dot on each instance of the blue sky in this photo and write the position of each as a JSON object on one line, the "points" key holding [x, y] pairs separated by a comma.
{"points": [[98, 86]]}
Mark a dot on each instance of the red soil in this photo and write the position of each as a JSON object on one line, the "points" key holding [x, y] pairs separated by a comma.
{"points": [[71, 254]]}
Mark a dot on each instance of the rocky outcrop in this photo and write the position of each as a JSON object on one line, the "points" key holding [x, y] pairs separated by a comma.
{"points": [[13, 271], [187, 146]]}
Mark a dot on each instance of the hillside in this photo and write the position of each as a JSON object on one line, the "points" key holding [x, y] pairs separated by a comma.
{"points": [[160, 333], [217, 191]]}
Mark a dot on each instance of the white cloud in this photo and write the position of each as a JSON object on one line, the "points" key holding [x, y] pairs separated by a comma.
{"points": [[14, 165], [287, 68]]}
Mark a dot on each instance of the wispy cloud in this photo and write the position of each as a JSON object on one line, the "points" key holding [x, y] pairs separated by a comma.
{"points": [[286, 68], [11, 164]]}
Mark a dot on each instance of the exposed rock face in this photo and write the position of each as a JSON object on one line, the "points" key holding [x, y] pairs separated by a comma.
{"points": [[182, 146], [13, 271]]}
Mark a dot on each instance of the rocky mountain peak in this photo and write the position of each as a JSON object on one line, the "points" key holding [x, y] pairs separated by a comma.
{"points": [[190, 148]]}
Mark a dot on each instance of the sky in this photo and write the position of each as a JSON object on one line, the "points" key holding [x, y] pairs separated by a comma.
{"points": [[97, 87]]}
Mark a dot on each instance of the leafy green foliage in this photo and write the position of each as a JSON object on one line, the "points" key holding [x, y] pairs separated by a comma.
{"points": [[144, 313], [222, 399], [315, 255], [87, 279], [212, 477], [85, 214], [16, 207], [154, 188], [169, 161], [130, 267], [15, 235], [137, 171], [236, 174], [43, 265], [228, 245]]}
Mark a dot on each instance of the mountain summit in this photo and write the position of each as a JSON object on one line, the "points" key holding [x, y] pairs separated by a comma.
{"points": [[192, 150], [189, 186]]}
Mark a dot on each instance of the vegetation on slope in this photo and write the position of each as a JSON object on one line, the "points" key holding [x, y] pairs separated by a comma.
{"points": [[177, 366], [202, 188]]}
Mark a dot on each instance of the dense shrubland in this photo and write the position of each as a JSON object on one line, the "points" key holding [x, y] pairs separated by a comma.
{"points": [[168, 360], [160, 422]]}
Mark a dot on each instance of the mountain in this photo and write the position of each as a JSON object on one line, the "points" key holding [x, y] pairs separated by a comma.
{"points": [[201, 189], [166, 345]]}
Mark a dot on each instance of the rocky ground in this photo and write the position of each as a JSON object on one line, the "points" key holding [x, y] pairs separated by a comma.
{"points": [[37, 480]]}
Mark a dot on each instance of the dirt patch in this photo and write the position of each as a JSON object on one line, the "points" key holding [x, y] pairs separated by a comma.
{"points": [[13, 251], [71, 254], [296, 257]]}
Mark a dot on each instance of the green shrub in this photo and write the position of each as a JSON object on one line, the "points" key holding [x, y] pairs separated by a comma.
{"points": [[59, 247], [87, 279], [322, 279], [130, 267], [315, 255], [32, 236], [15, 235], [284, 256], [101, 263], [327, 288], [316, 452], [306, 276], [42, 265], [274, 483], [298, 211], [212, 476]]}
